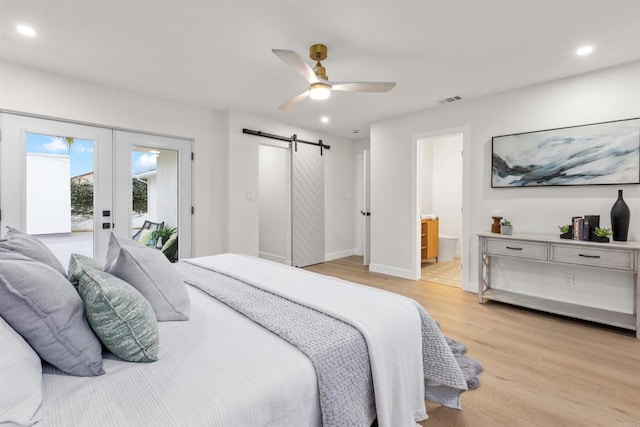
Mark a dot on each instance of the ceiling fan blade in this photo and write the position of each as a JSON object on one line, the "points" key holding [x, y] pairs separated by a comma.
{"points": [[372, 87], [294, 101], [297, 63]]}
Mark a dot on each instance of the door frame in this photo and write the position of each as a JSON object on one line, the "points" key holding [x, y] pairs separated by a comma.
{"points": [[102, 138], [187, 244], [466, 199]]}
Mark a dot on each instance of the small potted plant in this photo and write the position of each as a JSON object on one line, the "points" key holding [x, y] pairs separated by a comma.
{"points": [[506, 227], [566, 231], [601, 234]]}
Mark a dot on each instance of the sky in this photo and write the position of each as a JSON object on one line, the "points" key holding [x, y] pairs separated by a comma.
{"points": [[81, 153]]}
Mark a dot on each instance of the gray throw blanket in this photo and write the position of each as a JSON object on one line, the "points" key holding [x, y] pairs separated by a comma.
{"points": [[337, 350]]}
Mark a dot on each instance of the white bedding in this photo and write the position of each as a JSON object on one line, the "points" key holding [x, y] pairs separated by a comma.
{"points": [[390, 324], [217, 369]]}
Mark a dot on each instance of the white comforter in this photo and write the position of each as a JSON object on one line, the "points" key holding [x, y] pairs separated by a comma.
{"points": [[390, 324], [217, 369]]}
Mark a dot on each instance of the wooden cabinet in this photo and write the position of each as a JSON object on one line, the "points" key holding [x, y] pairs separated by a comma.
{"points": [[615, 256], [428, 239]]}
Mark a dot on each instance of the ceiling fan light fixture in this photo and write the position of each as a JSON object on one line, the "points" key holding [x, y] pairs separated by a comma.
{"points": [[319, 91]]}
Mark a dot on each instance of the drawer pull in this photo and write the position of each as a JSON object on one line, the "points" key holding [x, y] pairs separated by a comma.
{"points": [[514, 249], [589, 256]]}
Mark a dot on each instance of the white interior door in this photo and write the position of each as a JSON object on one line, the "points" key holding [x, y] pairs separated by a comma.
{"points": [[161, 166], [367, 208], [56, 183], [307, 206]]}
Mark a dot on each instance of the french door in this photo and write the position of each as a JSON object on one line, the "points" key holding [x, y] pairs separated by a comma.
{"points": [[62, 182], [162, 165]]}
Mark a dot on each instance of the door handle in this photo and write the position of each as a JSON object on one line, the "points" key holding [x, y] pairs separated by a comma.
{"points": [[365, 213]]}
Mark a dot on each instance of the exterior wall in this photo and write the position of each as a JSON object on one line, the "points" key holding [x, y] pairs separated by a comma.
{"points": [[166, 191], [48, 194]]}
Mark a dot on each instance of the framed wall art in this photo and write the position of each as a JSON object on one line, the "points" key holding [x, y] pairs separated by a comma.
{"points": [[593, 154]]}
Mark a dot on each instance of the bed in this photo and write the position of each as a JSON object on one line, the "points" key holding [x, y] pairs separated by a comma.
{"points": [[264, 344]]}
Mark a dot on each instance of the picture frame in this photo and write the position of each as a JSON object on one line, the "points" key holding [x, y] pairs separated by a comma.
{"points": [[606, 153]]}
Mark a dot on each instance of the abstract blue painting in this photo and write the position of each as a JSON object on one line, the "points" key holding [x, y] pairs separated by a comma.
{"points": [[600, 153]]}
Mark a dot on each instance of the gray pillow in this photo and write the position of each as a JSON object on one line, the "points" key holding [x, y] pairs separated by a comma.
{"points": [[77, 263], [31, 247], [151, 273], [43, 307], [120, 316], [20, 379]]}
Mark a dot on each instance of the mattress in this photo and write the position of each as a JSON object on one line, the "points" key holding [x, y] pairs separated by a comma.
{"points": [[217, 369]]}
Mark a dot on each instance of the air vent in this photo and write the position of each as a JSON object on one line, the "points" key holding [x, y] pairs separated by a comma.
{"points": [[450, 100]]}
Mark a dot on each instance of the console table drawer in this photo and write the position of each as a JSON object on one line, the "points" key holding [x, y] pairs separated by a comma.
{"points": [[595, 257], [516, 248]]}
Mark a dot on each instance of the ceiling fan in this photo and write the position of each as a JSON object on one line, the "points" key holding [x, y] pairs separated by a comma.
{"points": [[320, 86]]}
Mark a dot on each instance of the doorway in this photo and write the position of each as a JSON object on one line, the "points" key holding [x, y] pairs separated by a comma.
{"points": [[57, 182], [440, 183], [416, 201], [274, 190]]}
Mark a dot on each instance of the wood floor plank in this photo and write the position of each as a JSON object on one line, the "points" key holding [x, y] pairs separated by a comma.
{"points": [[539, 369]]}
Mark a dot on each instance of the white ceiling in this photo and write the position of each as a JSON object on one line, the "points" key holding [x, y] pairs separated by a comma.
{"points": [[217, 54]]}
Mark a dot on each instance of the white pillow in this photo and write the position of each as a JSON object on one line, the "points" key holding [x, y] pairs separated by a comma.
{"points": [[151, 273], [21, 374]]}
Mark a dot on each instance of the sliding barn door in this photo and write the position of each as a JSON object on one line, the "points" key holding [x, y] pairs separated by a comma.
{"points": [[307, 206]]}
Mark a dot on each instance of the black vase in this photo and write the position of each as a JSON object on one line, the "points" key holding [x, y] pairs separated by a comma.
{"points": [[620, 215]]}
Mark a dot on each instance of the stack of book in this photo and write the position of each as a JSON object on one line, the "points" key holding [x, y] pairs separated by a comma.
{"points": [[583, 226]]}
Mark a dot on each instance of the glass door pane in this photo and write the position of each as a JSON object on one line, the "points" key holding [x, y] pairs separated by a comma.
{"points": [[154, 197], [59, 193], [153, 191]]}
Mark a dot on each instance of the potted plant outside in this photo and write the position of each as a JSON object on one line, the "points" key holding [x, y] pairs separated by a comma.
{"points": [[506, 227], [566, 231], [601, 234]]}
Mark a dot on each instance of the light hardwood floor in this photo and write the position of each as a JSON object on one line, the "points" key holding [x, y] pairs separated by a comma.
{"points": [[539, 369]]}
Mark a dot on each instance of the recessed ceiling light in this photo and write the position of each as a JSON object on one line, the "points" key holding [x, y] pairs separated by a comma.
{"points": [[26, 30], [584, 50], [324, 119]]}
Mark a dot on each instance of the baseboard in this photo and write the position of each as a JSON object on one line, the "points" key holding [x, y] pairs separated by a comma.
{"points": [[473, 287], [391, 271], [273, 257], [340, 254]]}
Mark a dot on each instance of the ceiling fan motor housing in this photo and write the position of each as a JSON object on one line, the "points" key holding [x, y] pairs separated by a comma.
{"points": [[318, 52]]}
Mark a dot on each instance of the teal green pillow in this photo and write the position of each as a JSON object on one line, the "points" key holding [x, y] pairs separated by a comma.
{"points": [[145, 237], [120, 316], [77, 263]]}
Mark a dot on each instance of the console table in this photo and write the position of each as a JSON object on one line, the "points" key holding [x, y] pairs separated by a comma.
{"points": [[614, 256]]}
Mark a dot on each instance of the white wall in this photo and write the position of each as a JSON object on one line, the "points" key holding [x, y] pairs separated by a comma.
{"points": [[274, 202], [243, 160], [48, 194], [608, 94], [426, 176], [447, 184], [33, 91]]}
